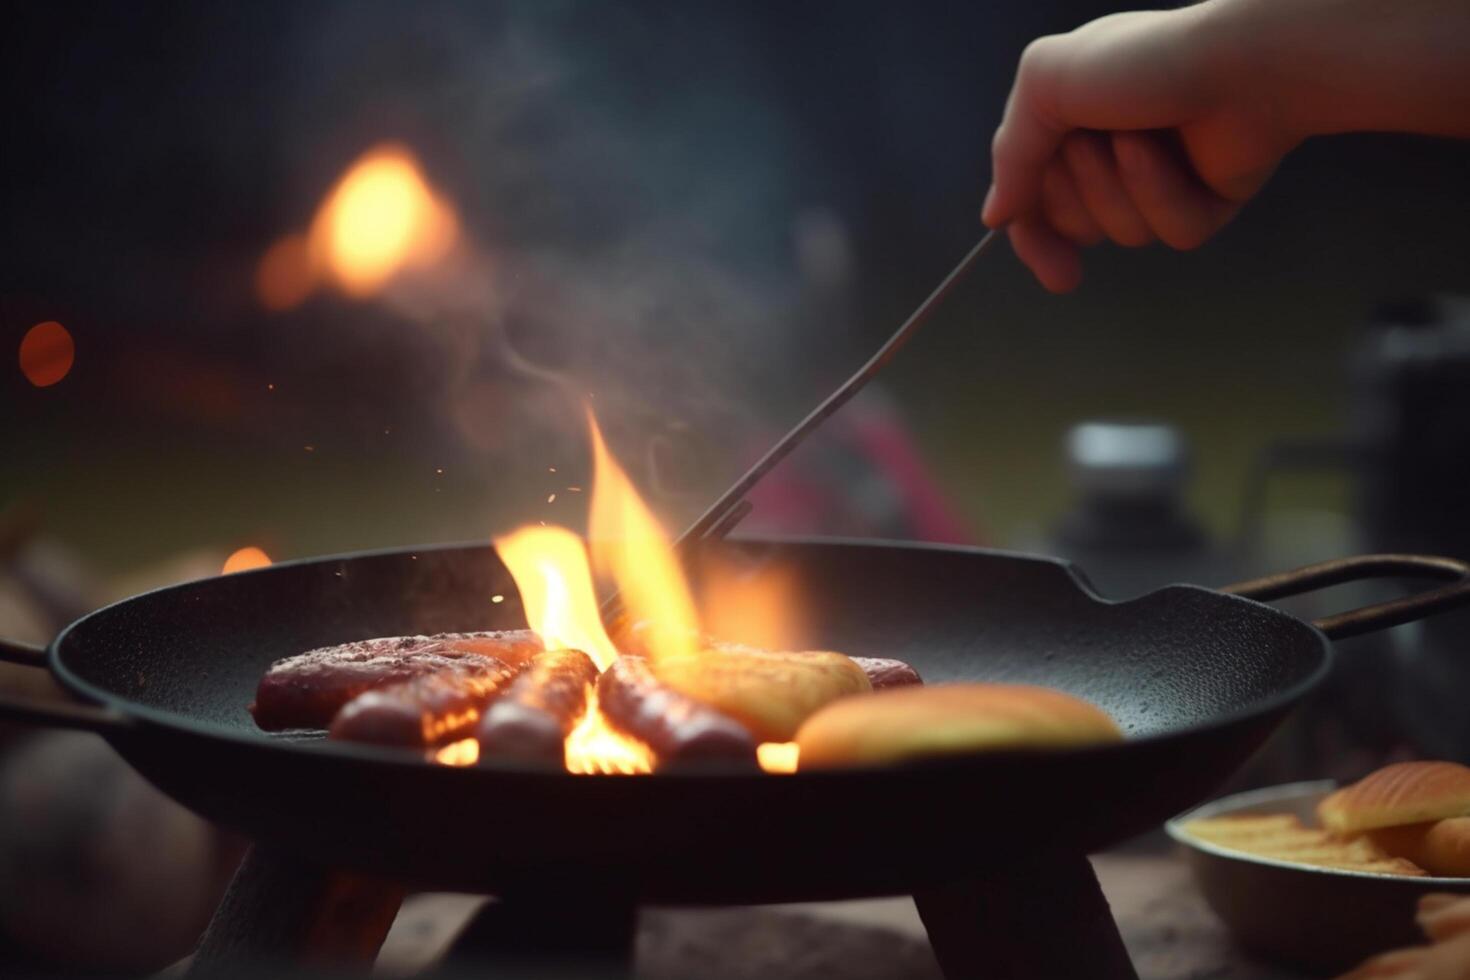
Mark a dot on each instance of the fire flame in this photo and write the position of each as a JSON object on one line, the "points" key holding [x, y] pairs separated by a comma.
{"points": [[629, 546], [551, 568], [594, 747], [778, 757], [549, 565], [381, 219]]}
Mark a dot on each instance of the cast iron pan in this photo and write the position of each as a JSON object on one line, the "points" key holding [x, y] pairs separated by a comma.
{"points": [[1197, 678], [1318, 919]]}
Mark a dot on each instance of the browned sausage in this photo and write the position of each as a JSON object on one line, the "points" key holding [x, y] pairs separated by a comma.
{"points": [[676, 727], [530, 721], [887, 673], [307, 690], [428, 710]]}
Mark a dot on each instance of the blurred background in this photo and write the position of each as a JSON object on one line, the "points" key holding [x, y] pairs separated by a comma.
{"points": [[698, 218]]}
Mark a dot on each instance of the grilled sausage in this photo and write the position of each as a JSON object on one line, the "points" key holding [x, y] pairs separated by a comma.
{"points": [[427, 710], [307, 690], [676, 727], [530, 721], [884, 673]]}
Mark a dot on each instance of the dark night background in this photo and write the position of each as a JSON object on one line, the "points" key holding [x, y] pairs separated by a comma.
{"points": [[153, 151]]}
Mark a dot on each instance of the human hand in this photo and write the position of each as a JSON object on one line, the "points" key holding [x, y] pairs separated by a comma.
{"points": [[1134, 128], [1446, 920]]}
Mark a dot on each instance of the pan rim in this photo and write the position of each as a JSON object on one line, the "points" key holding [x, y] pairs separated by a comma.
{"points": [[1286, 793], [958, 764]]}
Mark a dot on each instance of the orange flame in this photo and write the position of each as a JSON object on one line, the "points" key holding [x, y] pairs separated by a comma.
{"points": [[244, 559], [754, 610], [549, 565], [551, 568], [629, 545], [465, 752], [382, 218], [596, 748], [778, 757]]}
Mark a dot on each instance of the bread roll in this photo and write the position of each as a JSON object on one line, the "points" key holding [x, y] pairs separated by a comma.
{"points": [[1442, 848], [948, 719], [770, 693], [1404, 793]]}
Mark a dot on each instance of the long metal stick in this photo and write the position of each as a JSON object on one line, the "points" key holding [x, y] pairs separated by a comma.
{"points": [[726, 512], [714, 518]]}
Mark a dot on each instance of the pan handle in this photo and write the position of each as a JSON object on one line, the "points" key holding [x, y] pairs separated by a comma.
{"points": [[52, 713], [1375, 617]]}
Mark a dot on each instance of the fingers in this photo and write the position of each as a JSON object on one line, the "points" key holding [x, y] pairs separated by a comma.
{"points": [[1025, 141], [1063, 207], [1090, 159], [1444, 916], [1131, 188], [1401, 963], [1051, 257], [1178, 209]]}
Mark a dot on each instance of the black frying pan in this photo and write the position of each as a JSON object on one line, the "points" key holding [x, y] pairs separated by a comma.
{"points": [[1197, 678]]}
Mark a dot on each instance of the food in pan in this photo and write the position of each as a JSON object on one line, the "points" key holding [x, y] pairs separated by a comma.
{"points": [[679, 729], [947, 719], [1403, 793], [883, 673], [770, 693], [423, 711], [1410, 818], [1283, 837], [530, 721], [728, 703], [307, 690]]}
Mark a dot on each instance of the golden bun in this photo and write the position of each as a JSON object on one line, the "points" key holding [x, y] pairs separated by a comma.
{"points": [[948, 719], [1442, 848], [1403, 793], [770, 693]]}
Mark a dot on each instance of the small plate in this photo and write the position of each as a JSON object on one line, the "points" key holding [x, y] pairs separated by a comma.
{"points": [[1306, 917]]}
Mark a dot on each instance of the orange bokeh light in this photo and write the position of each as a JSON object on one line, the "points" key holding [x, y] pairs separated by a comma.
{"points": [[381, 217], [245, 559], [46, 353], [283, 278]]}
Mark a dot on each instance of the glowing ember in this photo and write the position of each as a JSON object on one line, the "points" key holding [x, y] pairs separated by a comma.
{"points": [[46, 353], [245, 559], [779, 757], [549, 565], [465, 752], [596, 748], [628, 544]]}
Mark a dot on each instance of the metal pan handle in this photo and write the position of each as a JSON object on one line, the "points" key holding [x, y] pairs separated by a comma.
{"points": [[55, 714], [1375, 617]]}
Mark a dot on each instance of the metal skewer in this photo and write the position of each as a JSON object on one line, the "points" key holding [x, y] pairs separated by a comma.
{"points": [[727, 511]]}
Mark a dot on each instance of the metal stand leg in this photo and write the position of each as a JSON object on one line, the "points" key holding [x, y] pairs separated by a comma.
{"points": [[280, 912], [536, 936], [1035, 922]]}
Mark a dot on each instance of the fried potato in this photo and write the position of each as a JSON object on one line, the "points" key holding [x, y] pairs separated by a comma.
{"points": [[1283, 837]]}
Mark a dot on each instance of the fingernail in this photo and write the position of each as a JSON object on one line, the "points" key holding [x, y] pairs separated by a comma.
{"points": [[985, 210]]}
